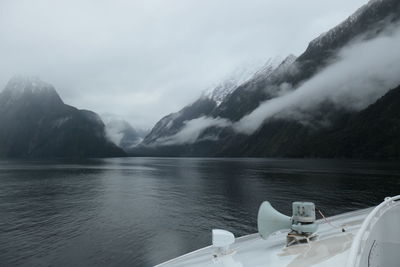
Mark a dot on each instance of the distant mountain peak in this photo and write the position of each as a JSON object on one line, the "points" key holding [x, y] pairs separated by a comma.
{"points": [[33, 84], [21, 87], [36, 123]]}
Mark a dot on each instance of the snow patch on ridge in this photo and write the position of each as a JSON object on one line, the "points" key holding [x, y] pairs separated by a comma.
{"points": [[33, 84], [348, 23], [241, 75]]}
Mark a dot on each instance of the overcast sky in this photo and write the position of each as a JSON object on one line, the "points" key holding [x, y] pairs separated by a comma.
{"points": [[144, 59]]}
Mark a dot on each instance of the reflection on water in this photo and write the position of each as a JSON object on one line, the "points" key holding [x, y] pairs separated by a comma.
{"points": [[142, 211]]}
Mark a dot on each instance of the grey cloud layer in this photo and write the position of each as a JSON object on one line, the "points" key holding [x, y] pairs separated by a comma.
{"points": [[144, 59]]}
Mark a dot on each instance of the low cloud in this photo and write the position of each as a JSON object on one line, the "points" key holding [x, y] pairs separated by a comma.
{"points": [[362, 72], [192, 130]]}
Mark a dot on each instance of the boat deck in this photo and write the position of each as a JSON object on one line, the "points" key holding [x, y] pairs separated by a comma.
{"points": [[331, 248]]}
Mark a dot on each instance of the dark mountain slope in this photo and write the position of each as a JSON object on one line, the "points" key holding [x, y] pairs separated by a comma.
{"points": [[366, 22], [371, 133], [34, 122]]}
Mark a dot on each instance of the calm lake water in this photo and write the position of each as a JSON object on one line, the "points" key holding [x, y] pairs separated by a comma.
{"points": [[142, 211]]}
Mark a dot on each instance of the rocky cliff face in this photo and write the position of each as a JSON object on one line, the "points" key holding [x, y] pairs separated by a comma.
{"points": [[34, 122]]}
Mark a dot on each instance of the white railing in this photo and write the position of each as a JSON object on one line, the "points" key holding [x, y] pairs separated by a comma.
{"points": [[362, 235]]}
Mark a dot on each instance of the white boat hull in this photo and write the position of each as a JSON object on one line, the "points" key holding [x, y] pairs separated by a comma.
{"points": [[331, 249]]}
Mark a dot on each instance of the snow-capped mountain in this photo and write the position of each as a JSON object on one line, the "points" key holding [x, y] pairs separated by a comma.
{"points": [[367, 22], [36, 123], [285, 137], [212, 99]]}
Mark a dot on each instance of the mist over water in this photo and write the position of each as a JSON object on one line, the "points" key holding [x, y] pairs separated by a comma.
{"points": [[142, 211]]}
